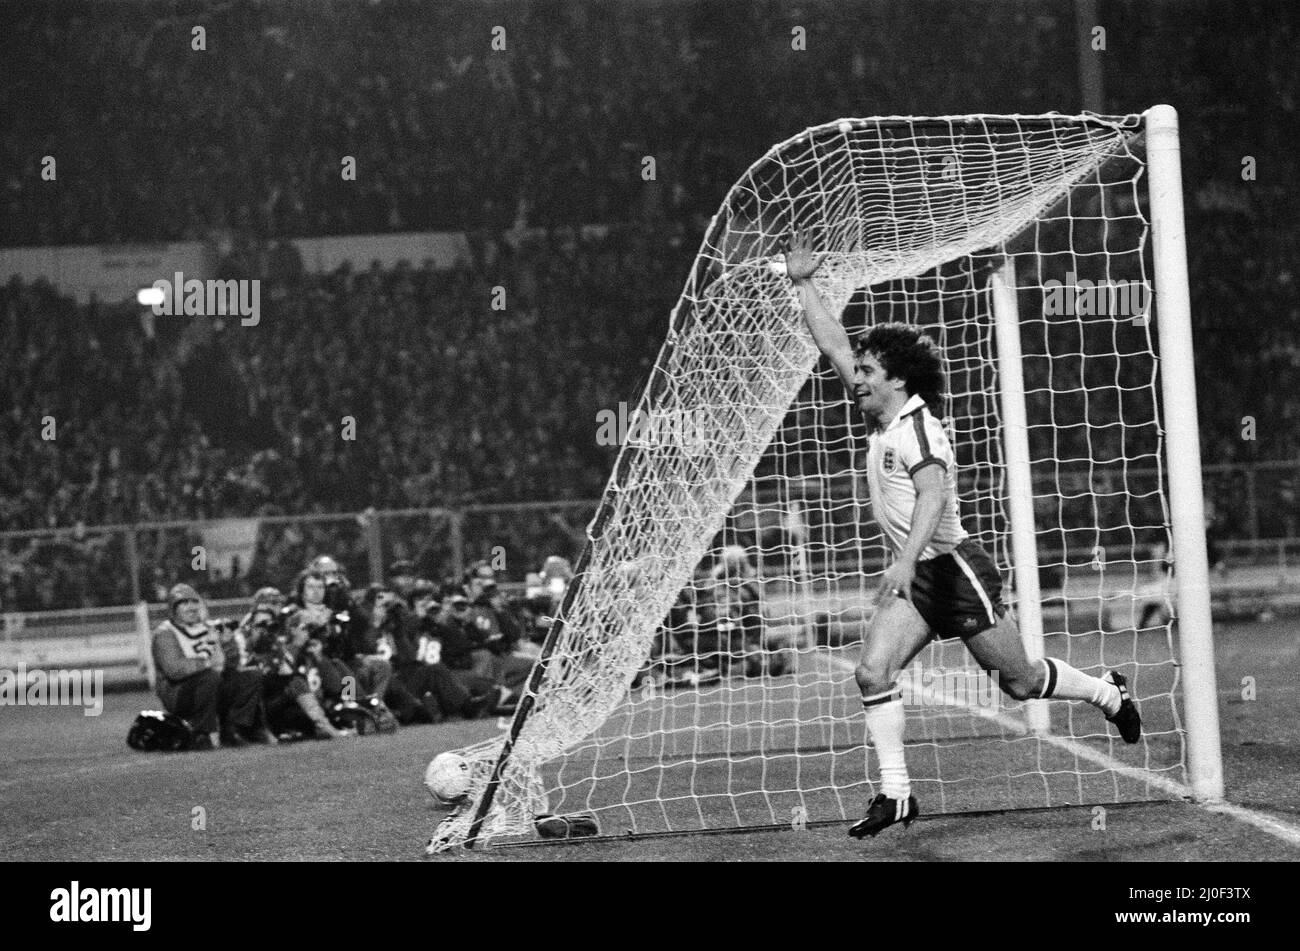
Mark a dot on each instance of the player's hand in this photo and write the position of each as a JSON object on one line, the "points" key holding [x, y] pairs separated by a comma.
{"points": [[896, 582], [800, 262]]}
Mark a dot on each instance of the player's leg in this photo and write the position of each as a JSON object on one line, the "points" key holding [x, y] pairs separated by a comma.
{"points": [[974, 606], [896, 635], [999, 649]]}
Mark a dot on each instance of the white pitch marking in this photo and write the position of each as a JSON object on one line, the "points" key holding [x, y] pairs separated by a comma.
{"points": [[1283, 831]]}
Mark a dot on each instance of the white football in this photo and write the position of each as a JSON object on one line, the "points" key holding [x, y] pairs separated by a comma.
{"points": [[447, 777]]}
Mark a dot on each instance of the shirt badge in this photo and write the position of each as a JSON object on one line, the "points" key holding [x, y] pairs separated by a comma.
{"points": [[889, 462]]}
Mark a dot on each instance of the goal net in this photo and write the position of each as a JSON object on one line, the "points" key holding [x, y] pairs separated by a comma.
{"points": [[700, 675]]}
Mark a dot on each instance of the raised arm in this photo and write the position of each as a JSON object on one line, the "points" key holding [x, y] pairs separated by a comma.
{"points": [[827, 331]]}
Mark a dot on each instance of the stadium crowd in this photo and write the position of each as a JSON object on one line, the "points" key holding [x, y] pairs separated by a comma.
{"points": [[456, 403], [246, 135], [208, 421]]}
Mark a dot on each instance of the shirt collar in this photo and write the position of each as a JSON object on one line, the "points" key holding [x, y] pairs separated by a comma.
{"points": [[914, 402]]}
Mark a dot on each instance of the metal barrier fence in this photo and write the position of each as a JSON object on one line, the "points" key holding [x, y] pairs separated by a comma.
{"points": [[54, 570]]}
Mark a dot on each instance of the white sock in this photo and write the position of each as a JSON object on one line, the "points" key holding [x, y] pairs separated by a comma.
{"points": [[1066, 683], [885, 728]]}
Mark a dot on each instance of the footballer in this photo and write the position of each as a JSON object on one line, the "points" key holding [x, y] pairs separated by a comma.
{"points": [[941, 583]]}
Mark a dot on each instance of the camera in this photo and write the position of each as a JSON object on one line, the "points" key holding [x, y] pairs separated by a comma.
{"points": [[266, 621]]}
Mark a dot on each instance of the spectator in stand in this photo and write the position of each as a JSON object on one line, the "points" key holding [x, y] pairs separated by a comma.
{"points": [[155, 440], [189, 660]]}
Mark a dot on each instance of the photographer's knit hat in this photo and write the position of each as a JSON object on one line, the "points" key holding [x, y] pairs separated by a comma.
{"points": [[181, 592], [268, 597]]}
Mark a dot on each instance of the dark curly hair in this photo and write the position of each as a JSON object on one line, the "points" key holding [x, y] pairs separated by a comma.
{"points": [[907, 354], [300, 582]]}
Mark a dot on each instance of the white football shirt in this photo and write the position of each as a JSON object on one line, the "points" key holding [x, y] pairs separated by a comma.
{"points": [[914, 439]]}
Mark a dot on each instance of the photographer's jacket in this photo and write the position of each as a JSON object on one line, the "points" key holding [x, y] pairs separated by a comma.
{"points": [[181, 652]]}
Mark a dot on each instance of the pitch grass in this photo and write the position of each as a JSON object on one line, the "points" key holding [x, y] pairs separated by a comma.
{"points": [[70, 789]]}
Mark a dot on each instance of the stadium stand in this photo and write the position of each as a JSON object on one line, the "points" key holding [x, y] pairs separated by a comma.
{"points": [[194, 419]]}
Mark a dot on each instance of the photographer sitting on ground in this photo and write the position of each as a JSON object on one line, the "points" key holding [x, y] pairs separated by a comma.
{"points": [[352, 639], [542, 599], [315, 631], [734, 601], [423, 689], [189, 660], [291, 663], [242, 673], [466, 635], [502, 629], [291, 684]]}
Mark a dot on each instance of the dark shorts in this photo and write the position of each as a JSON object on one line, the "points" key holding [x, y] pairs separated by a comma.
{"points": [[959, 594]]}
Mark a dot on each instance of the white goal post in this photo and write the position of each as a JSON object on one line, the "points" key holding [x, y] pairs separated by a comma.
{"points": [[699, 675], [1186, 499]]}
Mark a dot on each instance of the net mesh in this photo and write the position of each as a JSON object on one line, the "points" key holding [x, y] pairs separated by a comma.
{"points": [[701, 675]]}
